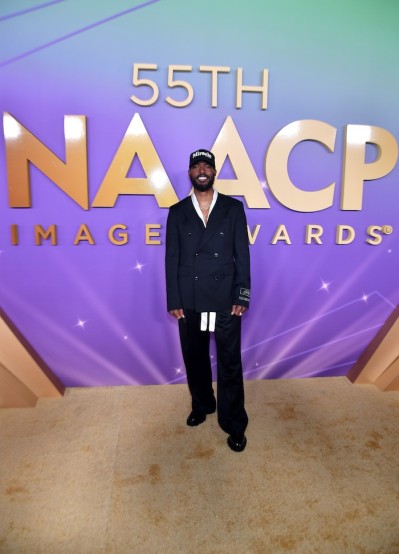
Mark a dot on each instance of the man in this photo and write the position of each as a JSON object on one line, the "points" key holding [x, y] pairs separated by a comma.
{"points": [[208, 290]]}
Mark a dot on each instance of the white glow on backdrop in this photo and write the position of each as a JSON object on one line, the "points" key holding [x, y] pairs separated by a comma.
{"points": [[159, 179], [74, 128], [12, 129]]}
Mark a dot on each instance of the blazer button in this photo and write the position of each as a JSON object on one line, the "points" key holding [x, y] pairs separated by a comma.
{"points": [[221, 234], [189, 234], [196, 254], [216, 255], [196, 278]]}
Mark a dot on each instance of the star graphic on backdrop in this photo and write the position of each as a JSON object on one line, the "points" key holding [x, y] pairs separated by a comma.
{"points": [[365, 297], [324, 285], [138, 266], [125, 337], [81, 323], [389, 251], [178, 370]]}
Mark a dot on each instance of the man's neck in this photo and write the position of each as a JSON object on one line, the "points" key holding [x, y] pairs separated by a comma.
{"points": [[203, 197]]}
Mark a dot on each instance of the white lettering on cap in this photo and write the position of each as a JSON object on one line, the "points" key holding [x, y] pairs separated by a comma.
{"points": [[201, 153]]}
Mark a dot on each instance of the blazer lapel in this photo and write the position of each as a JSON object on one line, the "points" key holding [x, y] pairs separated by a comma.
{"points": [[217, 215], [193, 219]]}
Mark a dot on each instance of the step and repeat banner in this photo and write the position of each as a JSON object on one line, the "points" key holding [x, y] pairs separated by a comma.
{"points": [[102, 103]]}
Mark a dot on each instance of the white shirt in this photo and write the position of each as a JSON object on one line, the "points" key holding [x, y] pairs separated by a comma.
{"points": [[198, 209]]}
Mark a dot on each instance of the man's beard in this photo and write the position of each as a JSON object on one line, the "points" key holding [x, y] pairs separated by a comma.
{"points": [[203, 188]]}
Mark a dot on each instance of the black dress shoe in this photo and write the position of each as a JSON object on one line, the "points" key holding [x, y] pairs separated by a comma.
{"points": [[237, 443], [195, 418]]}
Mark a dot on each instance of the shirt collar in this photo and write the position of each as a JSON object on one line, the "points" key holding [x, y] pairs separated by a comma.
{"points": [[195, 201]]}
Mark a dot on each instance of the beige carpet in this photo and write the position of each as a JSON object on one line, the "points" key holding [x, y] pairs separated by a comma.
{"points": [[115, 470]]}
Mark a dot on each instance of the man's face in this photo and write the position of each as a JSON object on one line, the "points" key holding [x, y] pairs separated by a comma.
{"points": [[202, 176]]}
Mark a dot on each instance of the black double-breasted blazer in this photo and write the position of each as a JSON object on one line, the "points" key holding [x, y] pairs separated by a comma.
{"points": [[207, 268]]}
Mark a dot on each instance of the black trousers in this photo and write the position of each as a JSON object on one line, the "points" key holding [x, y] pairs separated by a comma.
{"points": [[232, 416]]}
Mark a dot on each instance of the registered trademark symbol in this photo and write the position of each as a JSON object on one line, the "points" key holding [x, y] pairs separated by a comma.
{"points": [[387, 229]]}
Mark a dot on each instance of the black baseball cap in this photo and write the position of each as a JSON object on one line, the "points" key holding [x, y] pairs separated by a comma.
{"points": [[202, 155]]}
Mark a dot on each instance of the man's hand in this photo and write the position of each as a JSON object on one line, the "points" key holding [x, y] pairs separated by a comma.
{"points": [[238, 310], [178, 313]]}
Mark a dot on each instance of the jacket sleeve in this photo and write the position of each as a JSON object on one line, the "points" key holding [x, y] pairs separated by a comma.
{"points": [[172, 258], [242, 283]]}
